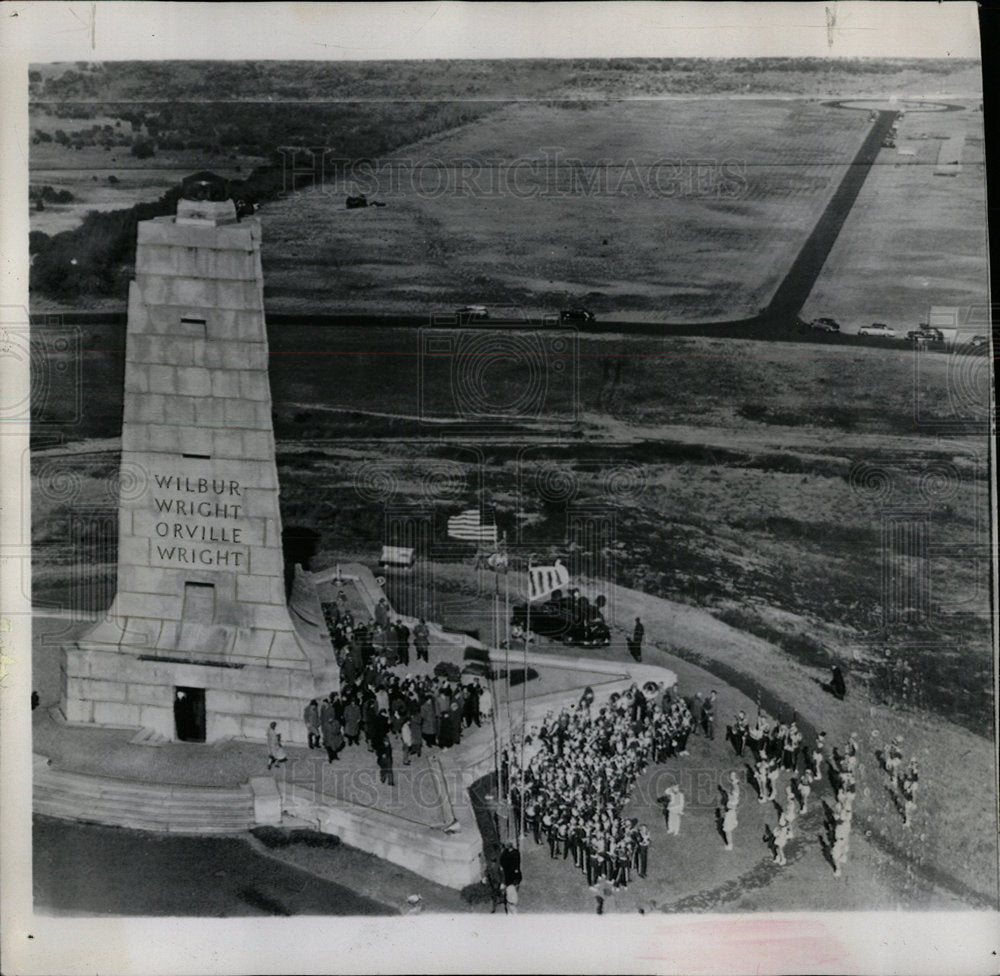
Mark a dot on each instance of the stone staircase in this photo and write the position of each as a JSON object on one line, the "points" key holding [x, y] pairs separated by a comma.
{"points": [[142, 806], [148, 737]]}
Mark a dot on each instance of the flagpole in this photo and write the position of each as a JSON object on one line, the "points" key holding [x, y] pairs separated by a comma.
{"points": [[524, 695], [506, 652]]}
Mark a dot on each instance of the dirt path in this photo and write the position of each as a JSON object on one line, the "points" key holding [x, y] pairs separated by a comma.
{"points": [[951, 848], [952, 843]]}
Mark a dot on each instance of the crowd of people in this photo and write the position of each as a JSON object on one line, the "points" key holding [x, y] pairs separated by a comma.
{"points": [[377, 703], [582, 763], [355, 642], [902, 782], [583, 766]]}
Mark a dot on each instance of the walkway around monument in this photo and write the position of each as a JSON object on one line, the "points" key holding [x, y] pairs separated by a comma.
{"points": [[423, 822]]}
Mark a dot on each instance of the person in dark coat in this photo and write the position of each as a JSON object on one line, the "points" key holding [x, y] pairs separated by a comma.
{"points": [[635, 643], [369, 714], [390, 646], [428, 722], [382, 726], [333, 738], [384, 760], [708, 715], [356, 652], [492, 879], [349, 670], [471, 707], [422, 639], [352, 722], [510, 864], [402, 643], [837, 684], [447, 732], [416, 734], [326, 711], [311, 718]]}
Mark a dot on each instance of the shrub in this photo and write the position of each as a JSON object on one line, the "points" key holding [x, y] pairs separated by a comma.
{"points": [[314, 838], [271, 837], [476, 894], [753, 411], [274, 837]]}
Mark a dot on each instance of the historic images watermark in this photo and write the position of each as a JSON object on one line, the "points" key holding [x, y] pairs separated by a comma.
{"points": [[552, 173], [422, 791]]}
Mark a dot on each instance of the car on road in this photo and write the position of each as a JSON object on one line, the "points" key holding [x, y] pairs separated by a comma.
{"points": [[576, 316], [977, 341], [469, 313], [580, 623], [824, 325], [878, 329], [925, 333]]}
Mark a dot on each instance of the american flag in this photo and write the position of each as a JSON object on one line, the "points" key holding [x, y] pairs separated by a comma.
{"points": [[469, 526], [542, 580]]}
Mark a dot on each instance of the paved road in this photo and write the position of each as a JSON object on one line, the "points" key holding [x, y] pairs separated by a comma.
{"points": [[778, 321], [798, 283], [94, 870]]}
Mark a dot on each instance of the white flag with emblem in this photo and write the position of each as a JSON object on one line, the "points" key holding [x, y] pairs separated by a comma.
{"points": [[470, 527], [542, 580]]}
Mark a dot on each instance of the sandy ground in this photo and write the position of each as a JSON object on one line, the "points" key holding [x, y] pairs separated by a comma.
{"points": [[936, 864], [892, 261], [540, 204]]}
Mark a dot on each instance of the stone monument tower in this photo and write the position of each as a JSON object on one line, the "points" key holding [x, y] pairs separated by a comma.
{"points": [[199, 643]]}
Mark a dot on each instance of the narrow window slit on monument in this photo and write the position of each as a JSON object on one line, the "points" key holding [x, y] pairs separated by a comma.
{"points": [[197, 457], [195, 325], [199, 602]]}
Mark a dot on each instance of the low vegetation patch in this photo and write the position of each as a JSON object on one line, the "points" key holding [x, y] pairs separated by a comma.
{"points": [[277, 837]]}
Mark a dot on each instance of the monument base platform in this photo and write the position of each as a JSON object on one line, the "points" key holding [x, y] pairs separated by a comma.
{"points": [[186, 700]]}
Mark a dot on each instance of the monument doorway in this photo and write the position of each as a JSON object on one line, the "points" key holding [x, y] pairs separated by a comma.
{"points": [[189, 714]]}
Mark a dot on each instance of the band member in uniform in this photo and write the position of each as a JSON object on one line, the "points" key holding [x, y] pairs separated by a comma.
{"points": [[675, 809], [642, 850], [817, 755], [804, 785], [908, 787], [781, 836], [739, 732], [729, 825]]}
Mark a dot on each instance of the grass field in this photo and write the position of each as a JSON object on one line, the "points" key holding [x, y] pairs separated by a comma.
{"points": [[827, 500], [676, 210], [893, 260], [752, 478]]}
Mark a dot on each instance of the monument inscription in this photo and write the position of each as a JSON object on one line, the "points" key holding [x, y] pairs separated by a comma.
{"points": [[198, 521]]}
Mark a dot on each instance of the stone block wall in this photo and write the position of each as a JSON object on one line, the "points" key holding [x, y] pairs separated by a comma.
{"points": [[116, 689], [453, 860], [200, 566]]}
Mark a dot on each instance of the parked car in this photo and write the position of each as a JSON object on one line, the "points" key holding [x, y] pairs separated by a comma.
{"points": [[468, 313], [925, 333], [577, 622], [576, 316], [877, 329], [824, 325]]}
